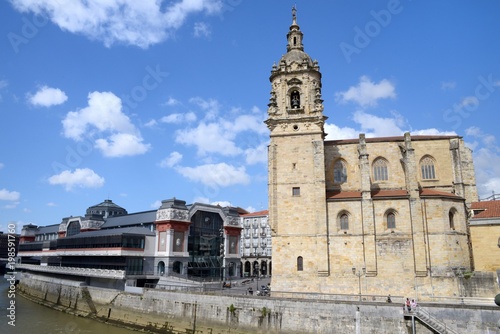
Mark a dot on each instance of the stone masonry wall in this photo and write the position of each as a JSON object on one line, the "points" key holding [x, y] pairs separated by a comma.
{"points": [[155, 309]]}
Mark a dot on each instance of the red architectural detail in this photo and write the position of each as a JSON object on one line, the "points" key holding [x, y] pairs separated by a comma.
{"points": [[61, 234], [232, 230], [179, 226], [26, 239]]}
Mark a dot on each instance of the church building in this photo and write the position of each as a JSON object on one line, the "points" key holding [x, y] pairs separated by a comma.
{"points": [[373, 216]]}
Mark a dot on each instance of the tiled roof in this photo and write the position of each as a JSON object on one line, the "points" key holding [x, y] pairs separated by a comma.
{"points": [[114, 231], [130, 219], [258, 213], [486, 209], [343, 194], [47, 229], [434, 193]]}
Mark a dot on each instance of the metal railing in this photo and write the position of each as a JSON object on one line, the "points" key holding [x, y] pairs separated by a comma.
{"points": [[428, 319]]}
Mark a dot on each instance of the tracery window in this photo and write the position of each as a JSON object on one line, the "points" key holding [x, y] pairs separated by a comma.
{"points": [[339, 172], [427, 168], [380, 172]]}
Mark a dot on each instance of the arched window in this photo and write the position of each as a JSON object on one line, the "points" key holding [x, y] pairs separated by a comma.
{"points": [[451, 219], [380, 172], [300, 263], [391, 220], [427, 168], [344, 222], [73, 228], [295, 99], [339, 172]]}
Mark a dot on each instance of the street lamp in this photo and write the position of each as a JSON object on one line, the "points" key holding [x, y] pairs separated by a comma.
{"points": [[221, 232], [359, 273], [257, 268]]}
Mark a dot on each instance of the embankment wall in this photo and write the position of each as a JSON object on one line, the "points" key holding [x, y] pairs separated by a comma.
{"points": [[159, 310]]}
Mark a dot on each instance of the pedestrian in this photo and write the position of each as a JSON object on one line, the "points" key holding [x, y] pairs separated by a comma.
{"points": [[389, 300], [413, 305], [408, 305]]}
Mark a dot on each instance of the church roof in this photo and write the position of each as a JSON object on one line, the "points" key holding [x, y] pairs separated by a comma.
{"points": [[389, 139]]}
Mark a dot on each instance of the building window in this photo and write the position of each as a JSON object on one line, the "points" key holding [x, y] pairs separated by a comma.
{"points": [[451, 219], [296, 191], [427, 168], [73, 228], [391, 220], [300, 263], [380, 170], [344, 222], [339, 172]]}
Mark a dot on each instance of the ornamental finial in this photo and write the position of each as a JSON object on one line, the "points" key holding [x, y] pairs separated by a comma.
{"points": [[294, 14]]}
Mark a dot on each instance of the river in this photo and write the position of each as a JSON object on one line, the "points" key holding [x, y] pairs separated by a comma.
{"points": [[32, 318]]}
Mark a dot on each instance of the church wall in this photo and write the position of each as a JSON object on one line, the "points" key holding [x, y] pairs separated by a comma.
{"points": [[485, 239]]}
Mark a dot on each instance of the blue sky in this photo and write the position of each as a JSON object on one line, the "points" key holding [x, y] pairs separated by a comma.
{"points": [[140, 101]]}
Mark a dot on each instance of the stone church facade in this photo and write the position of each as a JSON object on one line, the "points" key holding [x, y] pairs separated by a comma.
{"points": [[373, 216]]}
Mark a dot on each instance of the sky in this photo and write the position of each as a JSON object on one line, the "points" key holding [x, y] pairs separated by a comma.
{"points": [[143, 101]]}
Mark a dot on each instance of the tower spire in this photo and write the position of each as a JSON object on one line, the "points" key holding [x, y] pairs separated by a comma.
{"points": [[294, 14]]}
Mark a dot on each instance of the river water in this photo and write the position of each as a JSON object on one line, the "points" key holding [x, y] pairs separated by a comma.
{"points": [[32, 318]]}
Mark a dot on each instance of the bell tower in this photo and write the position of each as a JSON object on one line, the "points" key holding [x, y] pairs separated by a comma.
{"points": [[297, 193]]}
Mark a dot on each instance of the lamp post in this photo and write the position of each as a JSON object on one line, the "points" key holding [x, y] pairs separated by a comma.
{"points": [[257, 268], [359, 273], [221, 232]]}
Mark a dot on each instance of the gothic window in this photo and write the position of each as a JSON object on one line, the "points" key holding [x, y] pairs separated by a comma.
{"points": [[380, 170], [344, 222], [427, 168], [300, 263], [391, 220], [73, 228], [295, 99], [339, 172], [451, 219]]}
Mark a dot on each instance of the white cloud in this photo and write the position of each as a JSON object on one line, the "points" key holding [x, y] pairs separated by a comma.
{"points": [[335, 133], [209, 138], [6, 195], [104, 116], [171, 102], [216, 175], [172, 160], [47, 96], [201, 29], [81, 177], [51, 204], [221, 203], [1, 165], [448, 85], [211, 106], [140, 23], [367, 93], [256, 155], [469, 102], [178, 118], [122, 144]]}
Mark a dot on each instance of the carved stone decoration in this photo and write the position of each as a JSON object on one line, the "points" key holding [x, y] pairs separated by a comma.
{"points": [[172, 214]]}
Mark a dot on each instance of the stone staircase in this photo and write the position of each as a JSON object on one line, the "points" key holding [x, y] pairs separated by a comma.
{"points": [[430, 321]]}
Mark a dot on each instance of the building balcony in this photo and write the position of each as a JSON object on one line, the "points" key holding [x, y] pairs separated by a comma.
{"points": [[86, 272]]}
